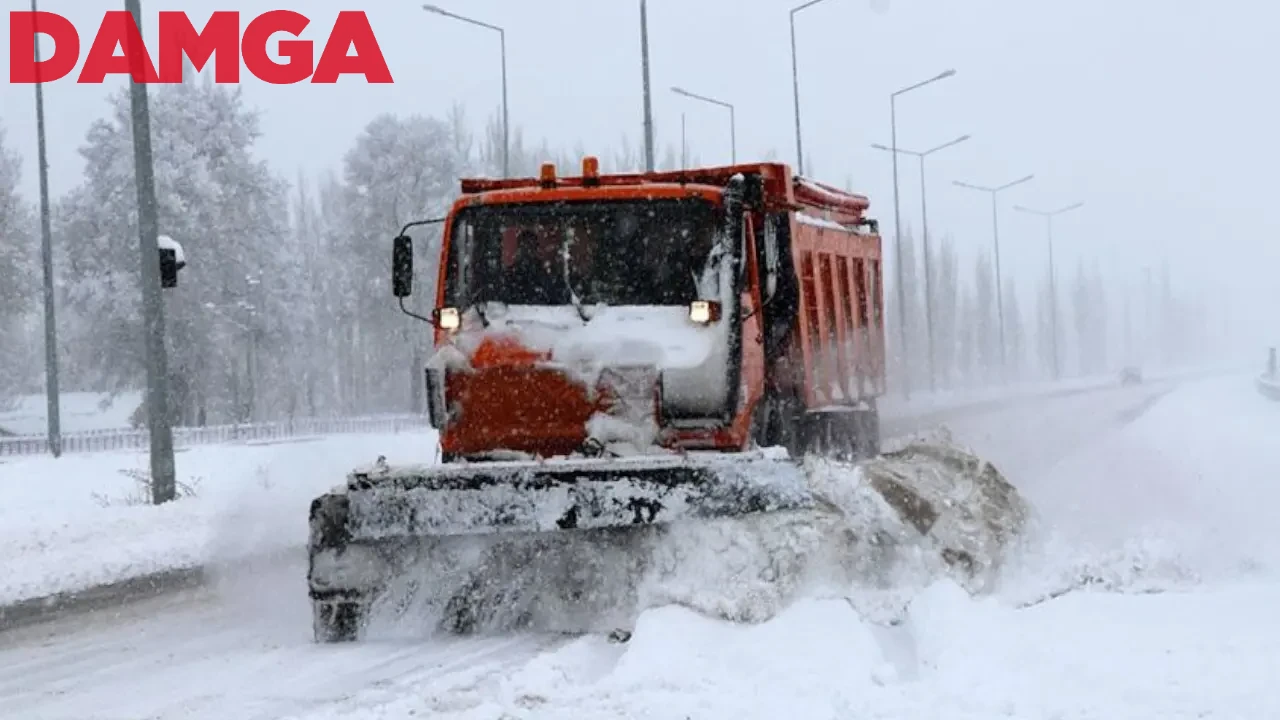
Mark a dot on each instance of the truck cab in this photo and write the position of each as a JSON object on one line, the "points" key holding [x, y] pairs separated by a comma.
{"points": [[658, 312]]}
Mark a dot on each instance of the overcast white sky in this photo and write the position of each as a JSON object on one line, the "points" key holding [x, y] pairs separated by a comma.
{"points": [[1160, 115]]}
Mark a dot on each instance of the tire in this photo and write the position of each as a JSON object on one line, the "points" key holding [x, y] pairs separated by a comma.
{"points": [[866, 442], [336, 621], [789, 426]]}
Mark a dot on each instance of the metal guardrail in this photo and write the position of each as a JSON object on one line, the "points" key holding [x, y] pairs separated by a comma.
{"points": [[109, 440]]}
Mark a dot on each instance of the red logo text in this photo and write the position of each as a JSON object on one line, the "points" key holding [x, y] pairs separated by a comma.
{"points": [[117, 49]]}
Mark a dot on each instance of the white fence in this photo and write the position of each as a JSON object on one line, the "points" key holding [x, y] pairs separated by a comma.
{"points": [[106, 440]]}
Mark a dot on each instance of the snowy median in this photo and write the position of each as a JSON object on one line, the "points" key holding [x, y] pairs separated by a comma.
{"points": [[82, 521]]}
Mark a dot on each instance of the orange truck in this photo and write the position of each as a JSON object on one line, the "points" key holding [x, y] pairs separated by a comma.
{"points": [[616, 353]]}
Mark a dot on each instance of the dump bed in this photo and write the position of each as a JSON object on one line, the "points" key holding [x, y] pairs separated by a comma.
{"points": [[838, 259]]}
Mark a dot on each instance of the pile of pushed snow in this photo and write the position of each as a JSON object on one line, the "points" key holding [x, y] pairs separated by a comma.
{"points": [[926, 510]]}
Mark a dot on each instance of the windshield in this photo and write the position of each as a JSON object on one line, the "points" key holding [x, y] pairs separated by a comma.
{"points": [[633, 252]]}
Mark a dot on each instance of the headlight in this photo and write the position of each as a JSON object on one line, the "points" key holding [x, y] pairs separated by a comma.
{"points": [[448, 318], [704, 312]]}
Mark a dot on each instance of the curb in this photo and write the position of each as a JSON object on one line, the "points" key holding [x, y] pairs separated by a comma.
{"points": [[52, 607]]}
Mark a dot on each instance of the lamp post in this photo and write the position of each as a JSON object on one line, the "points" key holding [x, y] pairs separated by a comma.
{"points": [[733, 133], [163, 471], [53, 408], [1049, 215], [648, 101], [897, 222], [502, 42], [795, 82], [994, 192], [928, 271]]}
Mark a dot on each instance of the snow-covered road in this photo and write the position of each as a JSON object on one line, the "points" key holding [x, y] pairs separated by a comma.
{"points": [[241, 647], [238, 648]]}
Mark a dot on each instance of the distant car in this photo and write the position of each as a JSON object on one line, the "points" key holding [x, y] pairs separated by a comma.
{"points": [[1131, 376]]}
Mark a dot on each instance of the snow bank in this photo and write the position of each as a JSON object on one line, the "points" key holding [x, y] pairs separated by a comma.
{"points": [[79, 521], [821, 657], [1207, 654]]}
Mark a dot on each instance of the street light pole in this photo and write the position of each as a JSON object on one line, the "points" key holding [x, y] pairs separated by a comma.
{"points": [[795, 83], [928, 268], [502, 44], [53, 409], [994, 192], [648, 105], [733, 134], [1053, 288], [163, 475], [897, 225]]}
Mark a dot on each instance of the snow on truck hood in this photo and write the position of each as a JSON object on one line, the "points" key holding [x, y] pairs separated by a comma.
{"points": [[663, 337]]}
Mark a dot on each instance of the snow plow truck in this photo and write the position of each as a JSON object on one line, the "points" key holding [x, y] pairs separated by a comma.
{"points": [[613, 354]]}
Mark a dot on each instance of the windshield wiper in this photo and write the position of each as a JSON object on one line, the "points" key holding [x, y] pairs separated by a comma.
{"points": [[478, 306], [573, 296]]}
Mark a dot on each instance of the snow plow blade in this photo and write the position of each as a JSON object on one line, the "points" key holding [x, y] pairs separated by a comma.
{"points": [[585, 546], [392, 530]]}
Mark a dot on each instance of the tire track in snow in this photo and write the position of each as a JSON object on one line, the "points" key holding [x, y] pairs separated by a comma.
{"points": [[204, 656]]}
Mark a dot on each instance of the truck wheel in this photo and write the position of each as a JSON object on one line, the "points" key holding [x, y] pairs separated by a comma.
{"points": [[336, 621], [761, 433], [866, 429]]}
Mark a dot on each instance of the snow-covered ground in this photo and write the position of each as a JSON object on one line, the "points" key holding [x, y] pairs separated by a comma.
{"points": [[79, 521], [1166, 501], [80, 412]]}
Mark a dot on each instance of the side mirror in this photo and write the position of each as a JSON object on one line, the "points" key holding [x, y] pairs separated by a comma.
{"points": [[402, 266], [172, 259]]}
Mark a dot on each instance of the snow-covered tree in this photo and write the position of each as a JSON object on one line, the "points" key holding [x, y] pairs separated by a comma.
{"points": [[986, 318], [1090, 314], [18, 252], [966, 338], [399, 170], [946, 298], [1015, 332], [1045, 341], [229, 318], [910, 360]]}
